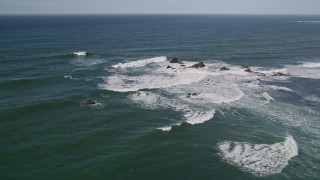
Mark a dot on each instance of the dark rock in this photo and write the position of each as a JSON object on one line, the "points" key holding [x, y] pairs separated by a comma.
{"points": [[191, 94], [90, 102], [169, 67], [182, 65], [247, 69], [198, 65], [244, 67], [280, 74], [174, 60], [224, 68]]}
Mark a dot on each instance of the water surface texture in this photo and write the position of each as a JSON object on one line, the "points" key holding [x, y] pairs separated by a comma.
{"points": [[151, 121]]}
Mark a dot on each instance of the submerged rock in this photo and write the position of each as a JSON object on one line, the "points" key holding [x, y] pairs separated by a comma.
{"points": [[260, 74], [198, 65], [90, 102], [224, 68], [174, 60], [280, 74]]}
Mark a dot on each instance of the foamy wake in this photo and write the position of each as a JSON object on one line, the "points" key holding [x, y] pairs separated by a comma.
{"points": [[259, 159], [267, 96], [154, 101], [80, 53], [140, 63], [273, 87]]}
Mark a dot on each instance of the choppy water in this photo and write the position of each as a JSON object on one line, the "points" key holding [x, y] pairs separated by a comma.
{"points": [[154, 122]]}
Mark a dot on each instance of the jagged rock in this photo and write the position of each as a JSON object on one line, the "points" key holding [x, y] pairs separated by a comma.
{"points": [[224, 68], [174, 60], [198, 65], [169, 67], [90, 102], [191, 94], [280, 74], [246, 69]]}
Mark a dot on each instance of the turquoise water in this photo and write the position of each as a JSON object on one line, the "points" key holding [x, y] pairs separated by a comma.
{"points": [[240, 125]]}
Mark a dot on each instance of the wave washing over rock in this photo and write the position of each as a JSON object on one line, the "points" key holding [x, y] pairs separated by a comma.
{"points": [[259, 159], [80, 53], [197, 89]]}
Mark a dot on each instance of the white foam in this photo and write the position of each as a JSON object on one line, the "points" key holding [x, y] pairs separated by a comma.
{"points": [[80, 53], [86, 61], [155, 101], [140, 63], [259, 159], [273, 87], [312, 98], [165, 128], [307, 21], [68, 77], [199, 116], [310, 64], [214, 89], [267, 96], [219, 95], [270, 72], [308, 70], [124, 83]]}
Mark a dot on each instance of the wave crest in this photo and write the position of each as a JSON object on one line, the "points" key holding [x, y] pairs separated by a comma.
{"points": [[140, 63]]}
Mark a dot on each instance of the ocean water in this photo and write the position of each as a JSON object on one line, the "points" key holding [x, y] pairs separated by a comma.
{"points": [[234, 124]]}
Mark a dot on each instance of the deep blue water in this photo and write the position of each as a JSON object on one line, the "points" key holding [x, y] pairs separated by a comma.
{"points": [[240, 125]]}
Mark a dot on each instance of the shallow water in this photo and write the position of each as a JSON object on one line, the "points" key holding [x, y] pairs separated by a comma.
{"points": [[233, 125]]}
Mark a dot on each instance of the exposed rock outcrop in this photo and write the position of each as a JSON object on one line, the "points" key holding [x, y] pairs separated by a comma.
{"points": [[198, 65], [89, 102], [280, 74], [224, 68], [191, 94]]}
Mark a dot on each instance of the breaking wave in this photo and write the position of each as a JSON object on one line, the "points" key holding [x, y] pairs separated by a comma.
{"points": [[310, 64], [259, 159], [154, 101], [140, 63]]}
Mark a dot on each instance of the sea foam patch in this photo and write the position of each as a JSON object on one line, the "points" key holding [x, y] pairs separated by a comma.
{"points": [[154, 101], [259, 159], [80, 53], [197, 92]]}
